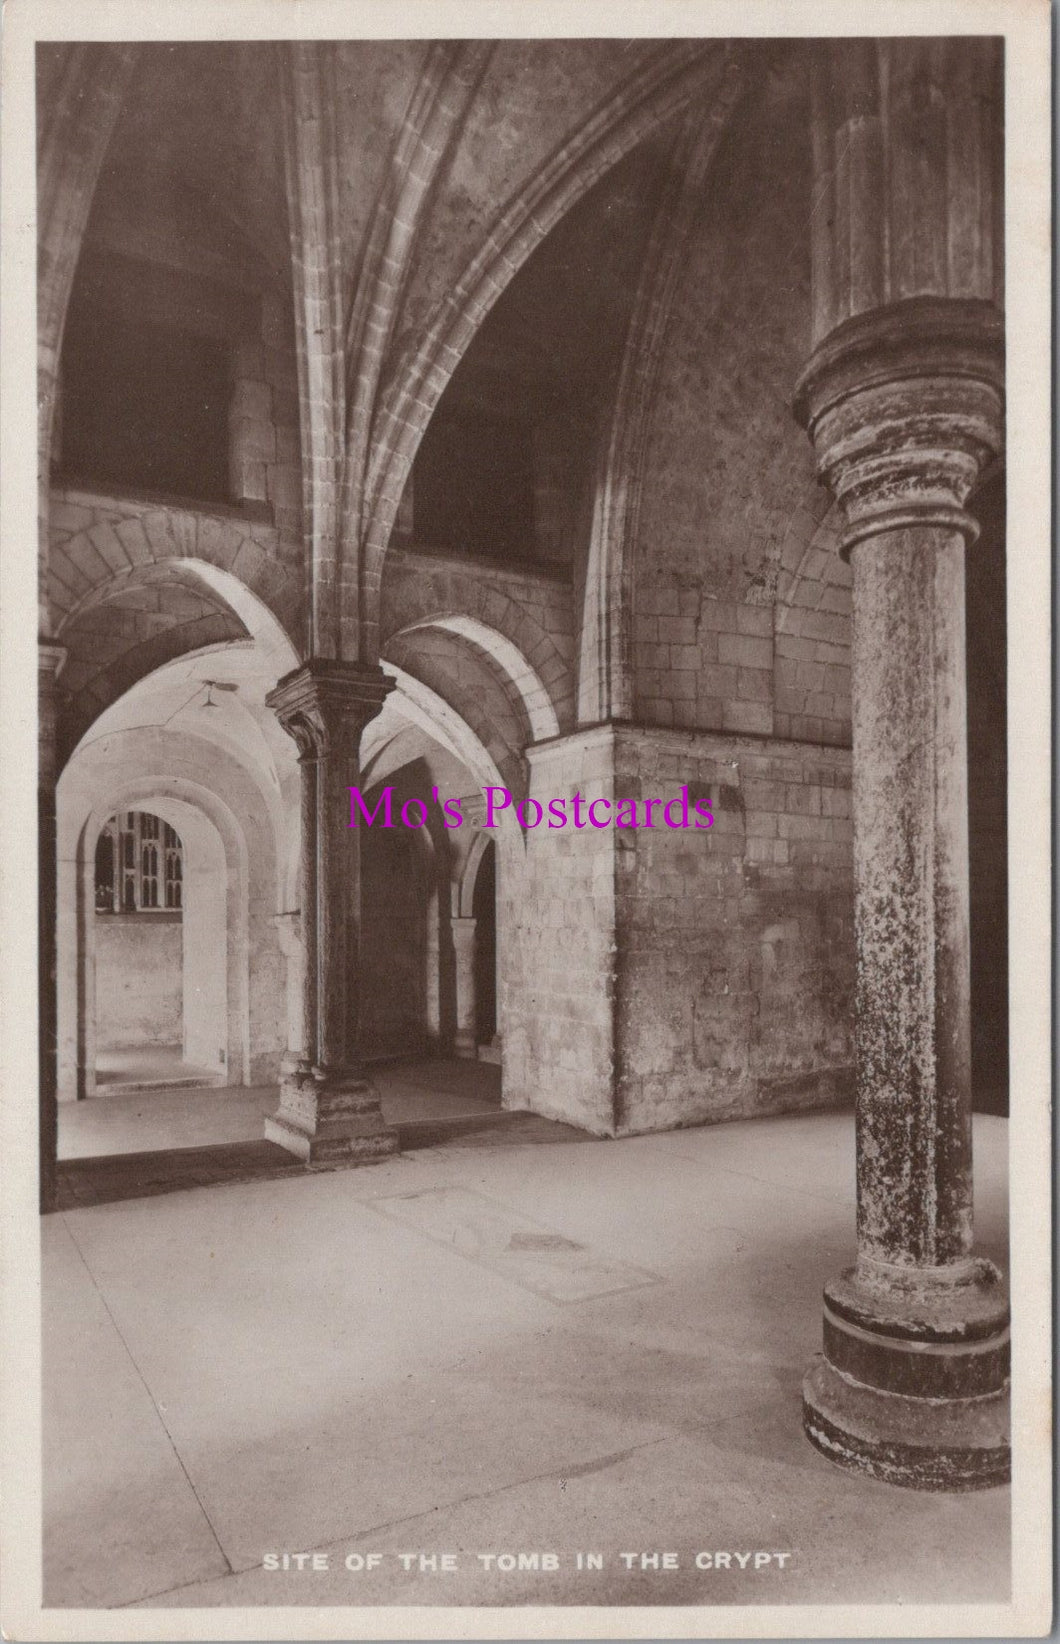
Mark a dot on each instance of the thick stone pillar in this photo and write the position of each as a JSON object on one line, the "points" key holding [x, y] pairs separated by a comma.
{"points": [[50, 660], [904, 405], [328, 1109], [289, 934], [464, 1044]]}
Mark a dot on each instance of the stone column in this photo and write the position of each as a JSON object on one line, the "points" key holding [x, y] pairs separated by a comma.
{"points": [[464, 1044], [289, 933], [904, 405], [50, 660], [328, 1109]]}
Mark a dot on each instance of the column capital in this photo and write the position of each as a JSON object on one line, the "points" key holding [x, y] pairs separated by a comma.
{"points": [[905, 408], [325, 705]]}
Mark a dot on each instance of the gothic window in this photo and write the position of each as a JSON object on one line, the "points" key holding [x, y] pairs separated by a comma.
{"points": [[139, 865], [174, 866]]}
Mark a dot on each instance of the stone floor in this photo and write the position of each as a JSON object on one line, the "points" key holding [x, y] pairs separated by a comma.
{"points": [[122, 1066], [120, 1121], [590, 1347]]}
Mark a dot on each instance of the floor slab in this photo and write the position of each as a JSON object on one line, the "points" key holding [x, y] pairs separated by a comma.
{"points": [[118, 1120], [121, 1514], [356, 1361], [748, 1486]]}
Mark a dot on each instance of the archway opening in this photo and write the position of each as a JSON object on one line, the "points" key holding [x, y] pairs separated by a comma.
{"points": [[430, 943], [174, 817], [158, 1007], [393, 995], [147, 1006]]}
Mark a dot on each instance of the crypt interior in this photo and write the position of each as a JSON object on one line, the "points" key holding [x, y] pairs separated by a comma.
{"points": [[595, 416]]}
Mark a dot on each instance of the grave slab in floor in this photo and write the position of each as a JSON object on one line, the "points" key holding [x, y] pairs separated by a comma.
{"points": [[328, 1375]]}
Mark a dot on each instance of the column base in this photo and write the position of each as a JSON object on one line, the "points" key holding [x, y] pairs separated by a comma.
{"points": [[912, 1387], [492, 1052], [331, 1118]]}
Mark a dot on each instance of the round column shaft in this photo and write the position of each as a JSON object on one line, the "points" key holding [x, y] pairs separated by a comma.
{"points": [[904, 407]]}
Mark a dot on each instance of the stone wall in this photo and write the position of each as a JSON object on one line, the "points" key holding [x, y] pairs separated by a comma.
{"points": [[556, 923], [532, 610], [139, 981], [735, 968], [654, 978], [740, 612], [98, 537]]}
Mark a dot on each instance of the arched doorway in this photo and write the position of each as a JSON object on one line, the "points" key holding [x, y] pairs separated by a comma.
{"points": [[155, 956], [189, 1019]]}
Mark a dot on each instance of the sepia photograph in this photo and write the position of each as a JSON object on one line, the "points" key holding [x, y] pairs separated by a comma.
{"points": [[525, 554]]}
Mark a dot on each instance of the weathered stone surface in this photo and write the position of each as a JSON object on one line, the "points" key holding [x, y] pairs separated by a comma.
{"points": [[905, 407], [323, 1117], [363, 210], [666, 977], [327, 1108], [921, 1444]]}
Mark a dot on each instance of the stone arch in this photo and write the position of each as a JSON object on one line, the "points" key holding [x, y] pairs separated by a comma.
{"points": [[418, 593], [428, 709], [812, 627], [227, 554], [525, 684], [209, 606], [86, 698], [216, 996], [126, 769], [644, 102], [605, 687], [244, 601], [91, 81], [432, 713], [477, 694]]}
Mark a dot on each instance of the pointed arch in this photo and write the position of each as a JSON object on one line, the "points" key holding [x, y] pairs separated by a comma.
{"points": [[228, 554], [88, 89], [642, 103], [523, 679], [605, 662]]}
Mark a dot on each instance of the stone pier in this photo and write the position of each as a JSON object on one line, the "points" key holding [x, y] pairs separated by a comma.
{"points": [[463, 930], [328, 1109], [905, 408]]}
